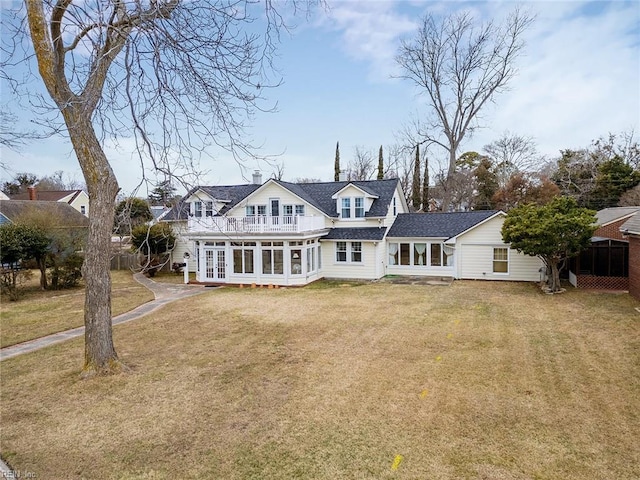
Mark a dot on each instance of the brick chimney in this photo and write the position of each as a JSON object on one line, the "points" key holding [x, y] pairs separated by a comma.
{"points": [[33, 194]]}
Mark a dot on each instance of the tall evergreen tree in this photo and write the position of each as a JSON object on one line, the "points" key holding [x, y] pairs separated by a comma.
{"points": [[415, 192], [425, 185], [336, 166], [380, 165]]}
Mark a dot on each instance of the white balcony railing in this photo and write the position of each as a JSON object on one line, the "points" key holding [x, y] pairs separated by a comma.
{"points": [[257, 224]]}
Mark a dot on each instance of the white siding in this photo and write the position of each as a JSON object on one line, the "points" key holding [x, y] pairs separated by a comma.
{"points": [[182, 245], [367, 270], [267, 192], [474, 255]]}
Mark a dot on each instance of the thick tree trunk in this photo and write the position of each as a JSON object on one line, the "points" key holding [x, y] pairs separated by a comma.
{"points": [[446, 196], [100, 356], [554, 280]]}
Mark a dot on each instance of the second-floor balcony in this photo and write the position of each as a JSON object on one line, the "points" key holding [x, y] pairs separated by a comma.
{"points": [[256, 224]]}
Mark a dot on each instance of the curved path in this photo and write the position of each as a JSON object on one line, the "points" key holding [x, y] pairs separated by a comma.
{"points": [[163, 292]]}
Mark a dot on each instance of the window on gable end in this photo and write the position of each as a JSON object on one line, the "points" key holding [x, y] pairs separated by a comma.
{"points": [[197, 209]]}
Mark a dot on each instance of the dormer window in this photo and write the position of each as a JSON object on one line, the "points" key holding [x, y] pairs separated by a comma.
{"points": [[208, 209], [359, 204], [346, 208], [197, 209]]}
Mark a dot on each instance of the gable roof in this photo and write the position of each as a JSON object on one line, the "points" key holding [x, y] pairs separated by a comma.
{"points": [[613, 214], [316, 194], [319, 194], [12, 209], [631, 226], [49, 195], [437, 224], [364, 233]]}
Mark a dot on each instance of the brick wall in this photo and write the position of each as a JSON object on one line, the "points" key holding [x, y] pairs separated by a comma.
{"points": [[611, 231], [634, 265], [603, 283]]}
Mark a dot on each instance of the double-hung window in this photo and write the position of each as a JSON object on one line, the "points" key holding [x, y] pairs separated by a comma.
{"points": [[208, 209], [356, 252], [197, 209], [346, 208], [287, 210], [500, 260], [262, 210], [359, 206], [341, 251], [250, 210], [300, 210], [350, 252]]}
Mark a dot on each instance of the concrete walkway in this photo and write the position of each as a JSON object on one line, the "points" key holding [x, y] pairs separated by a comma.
{"points": [[164, 293]]}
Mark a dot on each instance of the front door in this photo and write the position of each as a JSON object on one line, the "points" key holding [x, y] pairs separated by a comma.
{"points": [[215, 265]]}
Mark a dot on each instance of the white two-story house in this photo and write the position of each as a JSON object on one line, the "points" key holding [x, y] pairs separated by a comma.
{"points": [[281, 233]]}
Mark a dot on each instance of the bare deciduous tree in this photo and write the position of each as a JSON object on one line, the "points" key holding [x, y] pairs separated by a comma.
{"points": [[511, 154], [362, 166], [459, 67], [178, 75]]}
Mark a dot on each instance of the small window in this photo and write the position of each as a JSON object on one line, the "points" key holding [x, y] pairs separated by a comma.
{"points": [[356, 252], [262, 210], [287, 210], [208, 209], [197, 209], [300, 210], [500, 260], [341, 251], [83, 209], [395, 207], [359, 204], [346, 208], [250, 210]]}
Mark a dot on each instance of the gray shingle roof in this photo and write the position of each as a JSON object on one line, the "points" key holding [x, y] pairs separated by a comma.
{"points": [[365, 233], [436, 225], [63, 212], [632, 225], [612, 214], [232, 194], [316, 194], [321, 194]]}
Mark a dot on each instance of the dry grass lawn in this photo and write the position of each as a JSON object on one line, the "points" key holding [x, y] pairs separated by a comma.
{"points": [[475, 381], [40, 313]]}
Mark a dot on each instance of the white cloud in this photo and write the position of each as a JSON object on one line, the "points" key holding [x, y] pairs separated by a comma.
{"points": [[370, 32], [578, 81]]}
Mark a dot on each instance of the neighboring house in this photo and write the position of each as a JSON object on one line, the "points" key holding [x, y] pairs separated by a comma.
{"points": [[605, 264], [631, 230], [3, 196], [78, 199], [11, 210], [284, 233]]}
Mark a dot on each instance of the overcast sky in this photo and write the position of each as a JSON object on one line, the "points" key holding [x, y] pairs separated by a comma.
{"points": [[578, 79]]}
